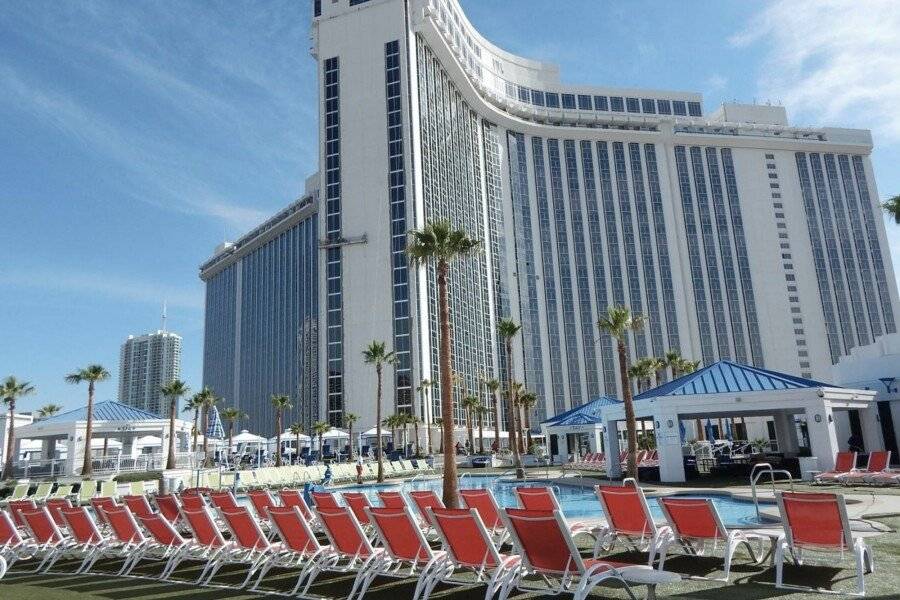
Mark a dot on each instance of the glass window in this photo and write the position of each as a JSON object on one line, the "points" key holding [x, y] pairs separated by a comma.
{"points": [[552, 99], [524, 94], [568, 100], [537, 98], [664, 107], [633, 105], [648, 106], [584, 102], [617, 104], [510, 90], [601, 103], [679, 108], [694, 109]]}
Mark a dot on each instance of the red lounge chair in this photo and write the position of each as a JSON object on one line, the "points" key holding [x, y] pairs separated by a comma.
{"points": [[17, 507], [295, 499], [324, 500], [844, 463], [168, 507], [138, 505], [90, 542], [358, 503], [55, 506], [170, 545], [543, 498], [628, 519], [250, 545], [297, 538], [129, 539], [100, 505], [425, 499], [549, 551], [877, 470], [483, 501], [262, 501], [408, 551], [206, 535], [13, 546], [817, 522], [391, 499], [694, 523], [50, 543], [223, 499], [192, 501], [349, 548], [469, 547]]}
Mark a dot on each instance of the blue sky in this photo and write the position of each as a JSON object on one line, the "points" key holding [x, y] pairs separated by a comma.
{"points": [[135, 136]]}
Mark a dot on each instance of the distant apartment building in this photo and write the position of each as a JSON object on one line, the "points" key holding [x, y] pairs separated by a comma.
{"points": [[146, 363]]}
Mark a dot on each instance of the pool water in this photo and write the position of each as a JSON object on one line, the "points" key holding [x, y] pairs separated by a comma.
{"points": [[576, 502]]}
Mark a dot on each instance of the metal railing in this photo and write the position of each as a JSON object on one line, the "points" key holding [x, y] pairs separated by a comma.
{"points": [[758, 471]]}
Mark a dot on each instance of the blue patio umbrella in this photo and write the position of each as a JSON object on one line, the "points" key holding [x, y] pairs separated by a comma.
{"points": [[729, 435], [710, 432], [682, 430], [215, 431]]}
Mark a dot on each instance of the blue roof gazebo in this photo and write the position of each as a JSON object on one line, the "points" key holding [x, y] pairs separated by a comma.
{"points": [[587, 418], [726, 389]]}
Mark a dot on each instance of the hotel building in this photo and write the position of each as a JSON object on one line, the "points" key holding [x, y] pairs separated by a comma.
{"points": [[738, 235]]}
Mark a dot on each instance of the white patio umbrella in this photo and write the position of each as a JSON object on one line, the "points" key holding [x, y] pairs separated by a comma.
{"points": [[375, 431], [245, 437], [335, 434]]}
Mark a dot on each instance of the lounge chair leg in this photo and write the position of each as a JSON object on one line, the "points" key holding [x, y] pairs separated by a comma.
{"points": [[779, 564]]}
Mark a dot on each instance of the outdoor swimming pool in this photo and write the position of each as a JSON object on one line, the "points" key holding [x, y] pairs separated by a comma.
{"points": [[576, 502]]}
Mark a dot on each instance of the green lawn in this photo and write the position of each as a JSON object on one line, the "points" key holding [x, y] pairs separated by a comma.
{"points": [[749, 582]]}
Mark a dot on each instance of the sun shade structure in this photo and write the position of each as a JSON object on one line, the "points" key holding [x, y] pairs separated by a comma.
{"points": [[725, 390], [587, 418], [125, 428]]}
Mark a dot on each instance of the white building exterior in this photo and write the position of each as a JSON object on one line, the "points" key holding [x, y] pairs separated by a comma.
{"points": [[739, 236], [146, 363]]}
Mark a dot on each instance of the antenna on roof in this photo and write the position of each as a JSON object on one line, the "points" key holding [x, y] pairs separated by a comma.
{"points": [[164, 317]]}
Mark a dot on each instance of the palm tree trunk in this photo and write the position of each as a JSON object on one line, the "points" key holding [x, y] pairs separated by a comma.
{"points": [[451, 488], [206, 461], [520, 415], [87, 466], [496, 419], [629, 412], [528, 427], [278, 438], [416, 431], [512, 426], [480, 433], [230, 438], [428, 424], [297, 449], [196, 431], [170, 460], [350, 433], [379, 442], [469, 427], [10, 441]]}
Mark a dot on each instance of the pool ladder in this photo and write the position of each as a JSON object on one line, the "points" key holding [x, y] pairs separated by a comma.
{"points": [[758, 471]]}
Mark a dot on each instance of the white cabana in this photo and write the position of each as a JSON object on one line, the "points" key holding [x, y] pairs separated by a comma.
{"points": [[725, 389], [119, 424], [584, 419]]}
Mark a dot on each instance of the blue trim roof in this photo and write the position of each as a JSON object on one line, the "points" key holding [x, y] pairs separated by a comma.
{"points": [[108, 410], [727, 377], [584, 414]]}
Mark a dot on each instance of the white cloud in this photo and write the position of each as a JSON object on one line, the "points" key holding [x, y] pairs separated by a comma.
{"points": [[102, 284], [716, 81], [835, 61]]}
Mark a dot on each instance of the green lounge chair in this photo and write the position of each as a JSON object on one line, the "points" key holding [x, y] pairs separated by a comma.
{"points": [[62, 491], [109, 489], [42, 492], [20, 492], [137, 488], [86, 491]]}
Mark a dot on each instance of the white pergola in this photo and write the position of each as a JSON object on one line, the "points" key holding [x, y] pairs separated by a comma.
{"points": [[111, 421], [726, 389], [587, 419]]}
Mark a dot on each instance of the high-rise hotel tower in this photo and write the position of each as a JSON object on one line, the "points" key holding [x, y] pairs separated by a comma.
{"points": [[736, 234]]}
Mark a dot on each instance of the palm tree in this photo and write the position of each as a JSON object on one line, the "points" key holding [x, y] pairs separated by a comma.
{"points": [[173, 390], [617, 322], [672, 360], [392, 421], [194, 404], [527, 402], [493, 386], [208, 399], [438, 242], [11, 390], [480, 411], [892, 207], [415, 421], [689, 366], [48, 410], [470, 405], [377, 354], [93, 374], [517, 389], [508, 329], [231, 415], [641, 372], [297, 430], [320, 428], [349, 420], [281, 403], [423, 388]]}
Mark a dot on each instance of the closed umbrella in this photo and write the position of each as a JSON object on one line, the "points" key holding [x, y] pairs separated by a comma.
{"points": [[682, 430], [710, 432], [728, 433]]}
